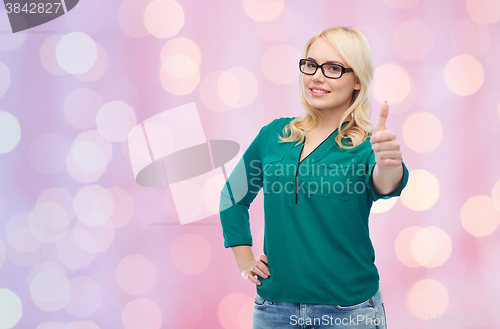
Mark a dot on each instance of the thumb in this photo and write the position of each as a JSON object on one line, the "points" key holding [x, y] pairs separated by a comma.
{"points": [[384, 112]]}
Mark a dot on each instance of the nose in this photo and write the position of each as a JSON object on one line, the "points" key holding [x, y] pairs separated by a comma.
{"points": [[318, 76]]}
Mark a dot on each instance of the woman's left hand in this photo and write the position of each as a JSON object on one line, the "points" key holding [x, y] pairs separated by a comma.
{"points": [[384, 143]]}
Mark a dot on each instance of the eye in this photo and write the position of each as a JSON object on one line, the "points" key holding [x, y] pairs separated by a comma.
{"points": [[334, 68], [310, 65]]}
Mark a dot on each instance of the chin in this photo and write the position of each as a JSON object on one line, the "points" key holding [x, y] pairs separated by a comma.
{"points": [[319, 104]]}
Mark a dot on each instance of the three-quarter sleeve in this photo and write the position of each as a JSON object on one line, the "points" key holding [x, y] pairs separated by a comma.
{"points": [[369, 180], [240, 189]]}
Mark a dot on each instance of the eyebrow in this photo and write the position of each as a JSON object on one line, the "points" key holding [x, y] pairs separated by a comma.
{"points": [[332, 62]]}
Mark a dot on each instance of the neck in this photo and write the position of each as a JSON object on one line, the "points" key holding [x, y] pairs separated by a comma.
{"points": [[332, 120]]}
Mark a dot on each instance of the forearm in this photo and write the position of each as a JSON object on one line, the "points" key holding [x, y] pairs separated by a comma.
{"points": [[386, 180], [243, 255]]}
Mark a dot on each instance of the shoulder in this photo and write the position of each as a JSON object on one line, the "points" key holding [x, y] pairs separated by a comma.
{"points": [[277, 125]]}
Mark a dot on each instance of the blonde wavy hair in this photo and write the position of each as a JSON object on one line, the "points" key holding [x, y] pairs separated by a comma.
{"points": [[355, 50]]}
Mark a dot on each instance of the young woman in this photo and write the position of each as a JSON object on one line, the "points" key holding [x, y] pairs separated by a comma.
{"points": [[320, 178]]}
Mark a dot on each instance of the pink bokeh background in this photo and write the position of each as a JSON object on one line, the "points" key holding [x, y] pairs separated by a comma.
{"points": [[83, 246]]}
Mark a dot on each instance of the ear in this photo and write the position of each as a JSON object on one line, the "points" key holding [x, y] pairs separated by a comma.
{"points": [[357, 86]]}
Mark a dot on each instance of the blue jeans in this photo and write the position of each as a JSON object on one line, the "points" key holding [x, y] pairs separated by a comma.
{"points": [[369, 314]]}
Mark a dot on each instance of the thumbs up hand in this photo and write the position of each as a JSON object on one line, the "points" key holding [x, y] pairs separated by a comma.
{"points": [[385, 144]]}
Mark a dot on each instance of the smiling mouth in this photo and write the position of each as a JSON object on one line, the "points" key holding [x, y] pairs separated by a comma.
{"points": [[319, 91]]}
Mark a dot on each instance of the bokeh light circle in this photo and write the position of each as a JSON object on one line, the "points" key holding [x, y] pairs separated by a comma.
{"points": [[403, 246], [50, 290], [19, 235], [88, 157], [263, 10], [431, 246], [179, 86], [401, 4], [192, 310], [191, 254], [47, 153], [469, 37], [181, 46], [484, 11], [229, 309], [209, 92], [480, 215], [413, 40], [2, 206], [59, 196], [142, 313], [180, 66], [92, 17], [48, 56], [464, 75], [98, 69], [495, 193], [279, 62], [136, 274], [443, 245], [3, 253], [81, 325], [82, 150], [237, 87], [81, 107], [391, 83], [180, 73], [422, 132], [9, 41], [123, 207], [422, 190], [427, 297], [48, 222], [131, 17], [4, 78], [11, 308], [11, 132], [25, 259], [94, 239], [164, 18], [279, 29], [383, 205], [22, 248], [71, 254], [94, 205], [245, 315], [115, 120], [76, 52], [52, 325], [85, 297]]}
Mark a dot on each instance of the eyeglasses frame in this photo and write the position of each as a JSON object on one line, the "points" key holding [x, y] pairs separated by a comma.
{"points": [[344, 69]]}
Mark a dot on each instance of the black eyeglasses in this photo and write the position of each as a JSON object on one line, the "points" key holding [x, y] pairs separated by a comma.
{"points": [[330, 70]]}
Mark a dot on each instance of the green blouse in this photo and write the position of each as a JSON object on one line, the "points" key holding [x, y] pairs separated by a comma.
{"points": [[316, 234]]}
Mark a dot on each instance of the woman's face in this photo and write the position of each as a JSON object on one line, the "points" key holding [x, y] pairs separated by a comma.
{"points": [[337, 92]]}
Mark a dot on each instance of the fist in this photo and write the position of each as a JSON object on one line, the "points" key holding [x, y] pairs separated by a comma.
{"points": [[384, 143]]}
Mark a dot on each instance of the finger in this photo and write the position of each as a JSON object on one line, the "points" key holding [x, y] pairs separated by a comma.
{"points": [[387, 155], [390, 163], [263, 258], [392, 145], [264, 267], [384, 112], [382, 136], [249, 276], [259, 271]]}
